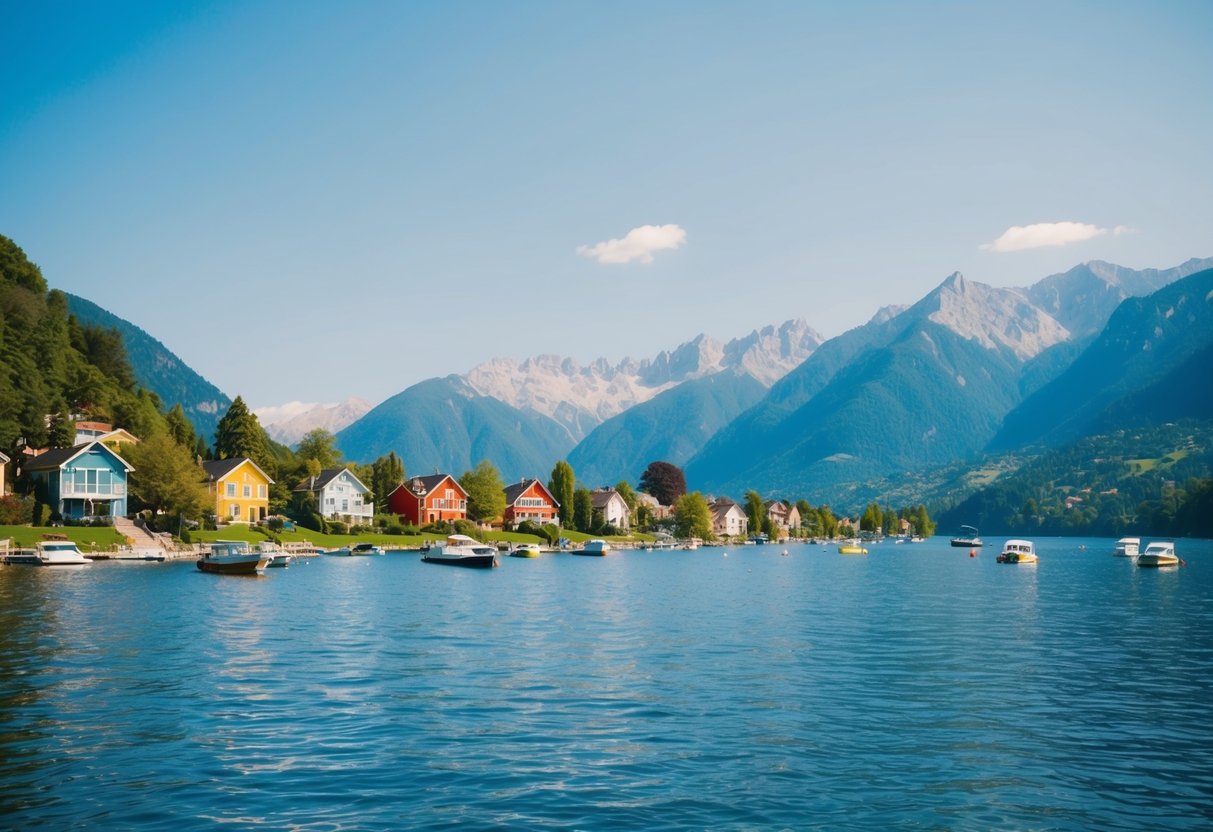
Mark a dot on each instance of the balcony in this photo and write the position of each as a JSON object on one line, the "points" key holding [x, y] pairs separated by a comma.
{"points": [[93, 491]]}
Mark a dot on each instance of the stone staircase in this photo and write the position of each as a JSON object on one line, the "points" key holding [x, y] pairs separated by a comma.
{"points": [[141, 539]]}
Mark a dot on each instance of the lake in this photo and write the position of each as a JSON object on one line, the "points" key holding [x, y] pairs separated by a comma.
{"points": [[914, 688]]}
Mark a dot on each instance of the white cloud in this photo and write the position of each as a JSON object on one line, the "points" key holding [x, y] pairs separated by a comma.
{"points": [[638, 244], [1044, 234]]}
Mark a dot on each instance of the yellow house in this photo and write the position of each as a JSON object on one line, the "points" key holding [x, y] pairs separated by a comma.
{"points": [[240, 488]]}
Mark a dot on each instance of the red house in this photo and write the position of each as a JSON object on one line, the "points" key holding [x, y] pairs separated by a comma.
{"points": [[424, 500], [529, 500]]}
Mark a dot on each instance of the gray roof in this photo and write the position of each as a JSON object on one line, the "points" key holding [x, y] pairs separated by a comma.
{"points": [[217, 469], [515, 490], [322, 479], [58, 457]]}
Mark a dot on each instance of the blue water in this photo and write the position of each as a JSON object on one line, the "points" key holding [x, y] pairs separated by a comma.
{"points": [[915, 688]]}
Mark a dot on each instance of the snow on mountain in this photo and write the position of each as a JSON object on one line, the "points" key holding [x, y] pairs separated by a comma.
{"points": [[580, 397], [290, 422]]}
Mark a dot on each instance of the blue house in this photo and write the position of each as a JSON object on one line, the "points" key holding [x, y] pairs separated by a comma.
{"points": [[88, 480]]}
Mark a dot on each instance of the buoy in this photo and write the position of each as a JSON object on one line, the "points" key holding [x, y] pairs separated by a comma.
{"points": [[785, 553], [726, 554], [972, 553]]}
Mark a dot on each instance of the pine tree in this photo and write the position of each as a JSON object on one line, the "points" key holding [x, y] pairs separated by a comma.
{"points": [[562, 485]]}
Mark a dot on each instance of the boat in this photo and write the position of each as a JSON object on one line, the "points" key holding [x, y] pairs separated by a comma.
{"points": [[597, 546], [461, 550], [1159, 554], [1017, 551], [851, 548], [1127, 547], [968, 538], [58, 553], [233, 557], [357, 550], [278, 559], [526, 550]]}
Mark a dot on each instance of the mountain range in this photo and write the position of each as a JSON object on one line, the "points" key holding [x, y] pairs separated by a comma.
{"points": [[968, 370]]}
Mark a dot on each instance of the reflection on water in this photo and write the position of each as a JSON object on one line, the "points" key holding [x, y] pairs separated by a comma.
{"points": [[913, 688]]}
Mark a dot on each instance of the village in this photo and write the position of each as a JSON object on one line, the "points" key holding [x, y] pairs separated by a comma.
{"points": [[86, 493]]}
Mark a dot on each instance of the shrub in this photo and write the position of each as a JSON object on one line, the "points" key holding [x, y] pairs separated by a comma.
{"points": [[337, 527], [16, 511], [552, 533], [275, 524], [438, 527], [467, 527]]}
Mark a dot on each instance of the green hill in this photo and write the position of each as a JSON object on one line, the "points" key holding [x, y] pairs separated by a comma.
{"points": [[158, 369]]}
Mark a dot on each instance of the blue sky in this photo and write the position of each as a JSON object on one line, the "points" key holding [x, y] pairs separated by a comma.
{"points": [[311, 201]]}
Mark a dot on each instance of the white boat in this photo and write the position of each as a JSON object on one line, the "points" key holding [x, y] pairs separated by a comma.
{"points": [[597, 546], [461, 550], [232, 557], [1018, 551], [59, 553], [1127, 547], [1159, 554], [278, 559], [357, 550], [526, 550]]}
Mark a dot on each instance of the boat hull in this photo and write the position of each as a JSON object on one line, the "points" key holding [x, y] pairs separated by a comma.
{"points": [[1157, 561], [470, 561], [244, 566], [967, 543], [852, 550]]}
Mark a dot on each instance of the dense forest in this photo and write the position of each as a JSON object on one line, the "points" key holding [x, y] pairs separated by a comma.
{"points": [[1147, 481]]}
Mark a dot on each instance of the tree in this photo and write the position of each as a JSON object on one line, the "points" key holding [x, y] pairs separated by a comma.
{"points": [[387, 472], [319, 444], [179, 427], [664, 481], [486, 493], [629, 498], [562, 485], [755, 511], [167, 478], [872, 519], [692, 517], [583, 510], [62, 428], [239, 434]]}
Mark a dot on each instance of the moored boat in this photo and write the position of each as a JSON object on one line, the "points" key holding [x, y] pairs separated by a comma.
{"points": [[526, 550], [461, 550], [968, 538], [852, 548], [357, 550], [1159, 553], [232, 557], [1127, 547], [597, 546], [1017, 551], [58, 553]]}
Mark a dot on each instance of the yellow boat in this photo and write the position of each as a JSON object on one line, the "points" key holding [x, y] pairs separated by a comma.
{"points": [[852, 549]]}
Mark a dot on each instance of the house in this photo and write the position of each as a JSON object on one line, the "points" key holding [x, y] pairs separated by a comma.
{"points": [[656, 510], [613, 507], [103, 432], [425, 500], [3, 462], [728, 518], [87, 480], [240, 488], [784, 515], [529, 500], [340, 496]]}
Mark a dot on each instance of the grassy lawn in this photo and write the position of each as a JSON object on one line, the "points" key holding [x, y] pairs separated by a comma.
{"points": [[88, 538]]}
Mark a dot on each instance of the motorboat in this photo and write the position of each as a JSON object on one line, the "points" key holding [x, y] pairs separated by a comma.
{"points": [[852, 548], [1017, 551], [461, 550], [58, 553], [278, 559], [526, 550], [968, 538], [357, 550], [1159, 554], [597, 546], [233, 557], [1127, 547]]}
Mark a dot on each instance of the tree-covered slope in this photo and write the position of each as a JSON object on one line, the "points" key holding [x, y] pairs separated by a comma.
{"points": [[442, 424], [672, 427], [1144, 342], [158, 369]]}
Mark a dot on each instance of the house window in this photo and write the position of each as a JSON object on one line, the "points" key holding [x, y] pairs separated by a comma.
{"points": [[345, 505], [261, 491], [248, 491], [231, 489], [235, 511]]}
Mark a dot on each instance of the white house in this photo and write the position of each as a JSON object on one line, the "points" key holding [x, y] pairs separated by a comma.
{"points": [[614, 509], [728, 518], [340, 496], [3, 463]]}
